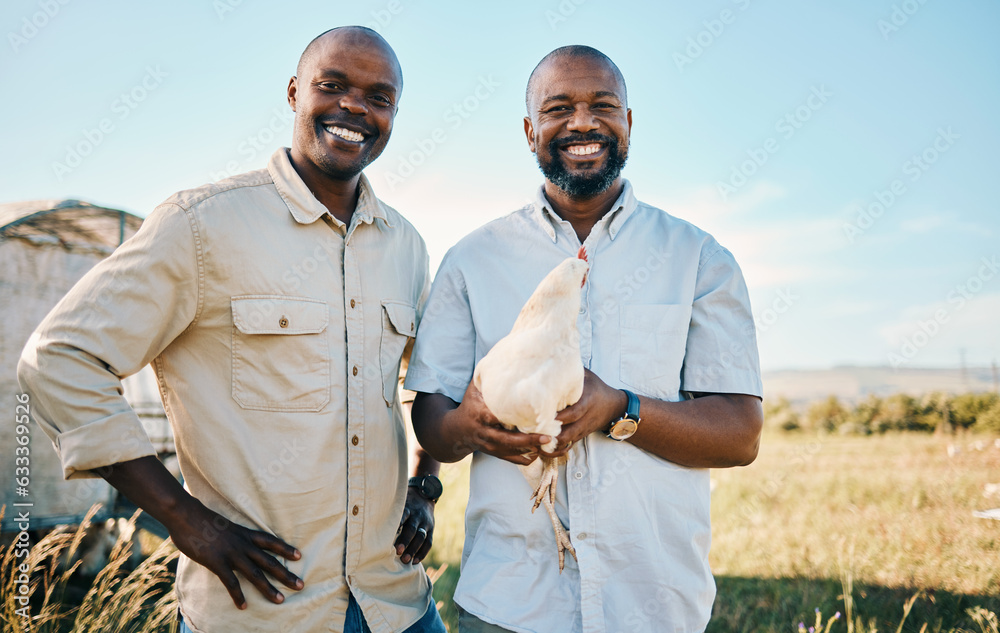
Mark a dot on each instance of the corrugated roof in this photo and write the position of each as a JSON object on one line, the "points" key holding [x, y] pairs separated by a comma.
{"points": [[69, 223]]}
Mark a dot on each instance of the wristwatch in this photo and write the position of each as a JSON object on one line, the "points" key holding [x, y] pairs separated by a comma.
{"points": [[428, 486], [624, 428]]}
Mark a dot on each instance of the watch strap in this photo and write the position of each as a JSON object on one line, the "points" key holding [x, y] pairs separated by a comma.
{"points": [[631, 413], [632, 410], [419, 481]]}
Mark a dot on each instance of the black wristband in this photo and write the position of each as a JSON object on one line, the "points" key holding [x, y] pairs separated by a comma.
{"points": [[428, 486]]}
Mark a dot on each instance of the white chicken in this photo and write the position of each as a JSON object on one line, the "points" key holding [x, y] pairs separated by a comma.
{"points": [[535, 371]]}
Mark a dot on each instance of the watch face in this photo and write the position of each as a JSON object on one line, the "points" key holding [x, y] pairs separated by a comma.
{"points": [[624, 429], [431, 487]]}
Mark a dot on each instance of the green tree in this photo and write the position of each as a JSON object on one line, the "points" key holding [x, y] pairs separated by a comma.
{"points": [[861, 419], [935, 411], [989, 420], [966, 408], [779, 414], [826, 415], [898, 413]]}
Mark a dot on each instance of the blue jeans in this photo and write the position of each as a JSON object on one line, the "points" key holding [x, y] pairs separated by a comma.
{"points": [[355, 621]]}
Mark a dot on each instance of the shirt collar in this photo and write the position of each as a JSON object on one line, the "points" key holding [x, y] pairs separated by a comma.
{"points": [[304, 206], [620, 211]]}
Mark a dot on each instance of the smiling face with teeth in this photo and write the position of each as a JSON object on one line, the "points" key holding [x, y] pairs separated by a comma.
{"points": [[344, 96], [578, 123]]}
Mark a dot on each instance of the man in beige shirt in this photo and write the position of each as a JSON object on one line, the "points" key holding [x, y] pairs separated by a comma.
{"points": [[275, 307]]}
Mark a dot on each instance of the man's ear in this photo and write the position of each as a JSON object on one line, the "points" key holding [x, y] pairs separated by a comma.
{"points": [[529, 131], [628, 115], [292, 88]]}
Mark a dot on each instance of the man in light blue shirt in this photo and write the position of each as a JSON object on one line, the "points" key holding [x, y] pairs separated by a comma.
{"points": [[672, 384]]}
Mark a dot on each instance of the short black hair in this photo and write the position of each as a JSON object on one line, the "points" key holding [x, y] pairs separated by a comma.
{"points": [[578, 51]]}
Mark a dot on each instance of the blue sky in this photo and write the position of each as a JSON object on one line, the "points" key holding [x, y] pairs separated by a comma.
{"points": [[845, 152]]}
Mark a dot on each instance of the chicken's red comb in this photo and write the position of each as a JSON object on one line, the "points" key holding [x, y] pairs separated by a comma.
{"points": [[582, 254]]}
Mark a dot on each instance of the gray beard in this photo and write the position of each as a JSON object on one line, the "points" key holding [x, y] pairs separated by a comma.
{"points": [[583, 186]]}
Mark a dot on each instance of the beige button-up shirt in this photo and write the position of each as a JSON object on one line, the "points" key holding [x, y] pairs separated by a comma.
{"points": [[664, 310], [276, 333]]}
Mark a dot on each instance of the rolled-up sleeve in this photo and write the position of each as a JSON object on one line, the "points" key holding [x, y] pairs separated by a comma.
{"points": [[112, 323], [721, 354], [444, 354]]}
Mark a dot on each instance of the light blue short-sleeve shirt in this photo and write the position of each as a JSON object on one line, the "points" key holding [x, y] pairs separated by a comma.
{"points": [[665, 310]]}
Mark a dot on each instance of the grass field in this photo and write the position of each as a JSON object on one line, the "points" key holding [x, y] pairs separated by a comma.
{"points": [[870, 527], [890, 515]]}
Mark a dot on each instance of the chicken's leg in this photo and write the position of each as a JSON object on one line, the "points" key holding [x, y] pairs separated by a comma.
{"points": [[545, 494]]}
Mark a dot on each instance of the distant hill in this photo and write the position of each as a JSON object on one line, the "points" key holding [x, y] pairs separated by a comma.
{"points": [[855, 383]]}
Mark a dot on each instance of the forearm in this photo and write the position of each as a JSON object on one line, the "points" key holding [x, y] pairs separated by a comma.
{"points": [[713, 431], [450, 431], [416, 528], [424, 463], [205, 536], [429, 412], [149, 485]]}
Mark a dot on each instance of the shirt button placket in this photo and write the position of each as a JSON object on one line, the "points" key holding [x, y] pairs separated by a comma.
{"points": [[581, 506], [355, 405]]}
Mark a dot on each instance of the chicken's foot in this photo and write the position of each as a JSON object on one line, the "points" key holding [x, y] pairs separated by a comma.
{"points": [[545, 494]]}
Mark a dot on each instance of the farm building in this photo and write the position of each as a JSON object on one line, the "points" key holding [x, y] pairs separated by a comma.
{"points": [[45, 247]]}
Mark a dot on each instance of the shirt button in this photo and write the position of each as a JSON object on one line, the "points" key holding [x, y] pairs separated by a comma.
{"points": [[583, 309], [283, 322], [354, 511], [355, 371], [352, 303], [582, 535], [354, 440], [578, 475]]}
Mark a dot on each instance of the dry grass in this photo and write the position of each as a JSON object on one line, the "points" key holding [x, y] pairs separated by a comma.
{"points": [[859, 525], [879, 529], [900, 503], [870, 522], [142, 601]]}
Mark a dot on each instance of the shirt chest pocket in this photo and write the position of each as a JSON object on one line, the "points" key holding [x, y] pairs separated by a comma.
{"points": [[653, 340], [399, 321], [281, 355]]}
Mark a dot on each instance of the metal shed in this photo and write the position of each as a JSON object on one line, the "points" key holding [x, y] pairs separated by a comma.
{"points": [[46, 246]]}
